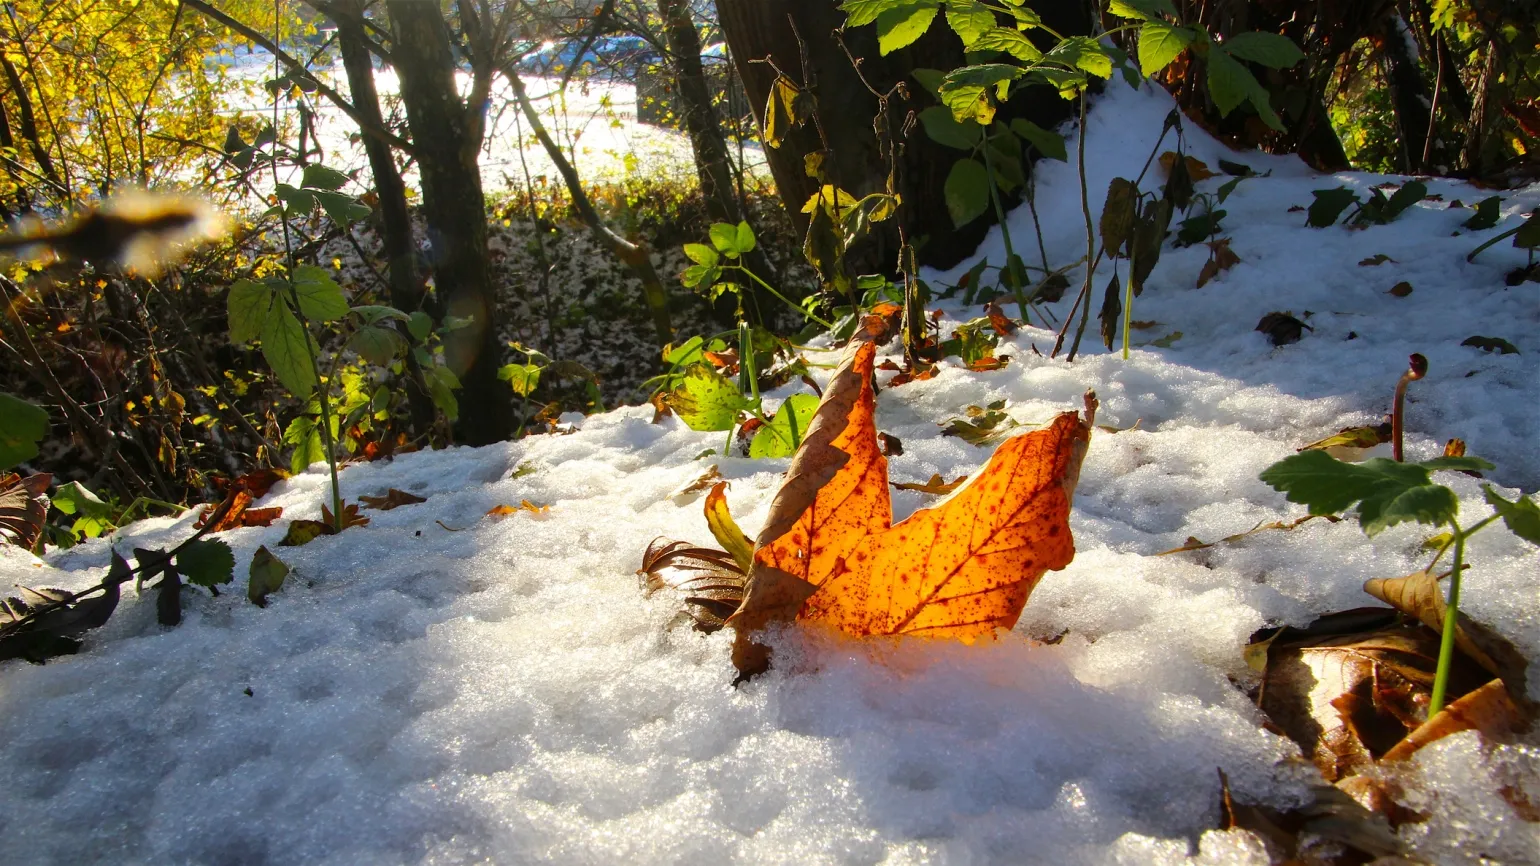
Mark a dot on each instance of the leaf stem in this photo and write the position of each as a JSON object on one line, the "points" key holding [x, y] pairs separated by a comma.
{"points": [[1128, 308], [1451, 623], [1417, 369], [1012, 271], [807, 314]]}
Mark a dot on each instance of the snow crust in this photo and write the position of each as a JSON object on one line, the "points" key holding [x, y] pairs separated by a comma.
{"points": [[442, 687]]}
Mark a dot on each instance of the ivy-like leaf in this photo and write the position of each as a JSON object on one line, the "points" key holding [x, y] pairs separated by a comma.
{"points": [[206, 562], [288, 348], [967, 191], [1386, 492], [1522, 516], [304, 436]]}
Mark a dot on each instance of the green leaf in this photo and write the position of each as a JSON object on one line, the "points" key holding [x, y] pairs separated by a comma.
{"points": [[1410, 193], [206, 562], [1229, 83], [706, 400], [787, 429], [288, 348], [969, 19], [1160, 43], [724, 236], [304, 436], [1142, 10], [22, 426], [1528, 235], [320, 298], [442, 384], [900, 25], [1012, 42], [700, 276], [1521, 516], [296, 202], [945, 129], [964, 90], [1329, 204], [74, 498], [746, 240], [420, 325], [930, 79], [248, 305], [1457, 464], [967, 191], [1385, 491], [378, 346], [701, 254], [343, 209], [265, 576], [523, 378], [866, 11], [686, 353], [1047, 142], [373, 313], [1085, 54], [1269, 49], [321, 177], [1487, 214]]}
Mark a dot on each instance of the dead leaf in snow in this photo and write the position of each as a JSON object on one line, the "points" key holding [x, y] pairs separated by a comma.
{"points": [[393, 498], [937, 485]]}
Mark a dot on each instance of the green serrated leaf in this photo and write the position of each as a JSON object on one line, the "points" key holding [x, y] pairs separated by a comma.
{"points": [[724, 236], [288, 348], [442, 385], [787, 429], [706, 400], [701, 254], [1386, 492], [1269, 49], [304, 436], [967, 191], [378, 346], [321, 177], [1142, 10], [1522, 516], [1229, 83], [523, 378], [320, 298], [343, 209], [965, 90], [1047, 142], [265, 576], [862, 12], [746, 240], [901, 25], [969, 19], [206, 562], [22, 426], [1160, 43], [945, 129], [248, 307], [1085, 54], [1010, 41], [371, 314]]}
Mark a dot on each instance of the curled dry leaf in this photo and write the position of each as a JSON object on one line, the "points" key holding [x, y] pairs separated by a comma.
{"points": [[937, 485], [1196, 168], [709, 582], [1222, 259], [235, 512], [891, 445], [704, 481], [998, 320], [1489, 710], [720, 521], [829, 552], [23, 508], [501, 511]]}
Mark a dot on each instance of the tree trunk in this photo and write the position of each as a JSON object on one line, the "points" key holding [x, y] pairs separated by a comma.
{"points": [[1409, 93], [769, 29], [455, 210], [395, 221]]}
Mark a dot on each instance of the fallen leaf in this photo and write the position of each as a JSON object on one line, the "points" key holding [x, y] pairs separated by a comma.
{"points": [[984, 425], [999, 320], [524, 505], [720, 521], [1196, 168], [829, 552], [937, 485], [265, 576], [1352, 444], [1489, 710], [1282, 328], [1491, 344], [1401, 289], [1195, 544], [393, 498], [1376, 259], [701, 483], [303, 532], [1143, 325], [1222, 259], [890, 445], [23, 508]]}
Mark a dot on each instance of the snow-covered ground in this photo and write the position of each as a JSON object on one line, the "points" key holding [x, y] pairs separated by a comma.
{"points": [[442, 687]]}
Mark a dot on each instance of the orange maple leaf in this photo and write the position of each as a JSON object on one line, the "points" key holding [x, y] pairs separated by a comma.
{"points": [[829, 551]]}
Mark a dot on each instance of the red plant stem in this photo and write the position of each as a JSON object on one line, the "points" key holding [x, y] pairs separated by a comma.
{"points": [[1417, 369]]}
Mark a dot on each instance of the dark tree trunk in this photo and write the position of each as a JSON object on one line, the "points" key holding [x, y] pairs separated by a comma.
{"points": [[455, 210], [1410, 95], [761, 29], [395, 221]]}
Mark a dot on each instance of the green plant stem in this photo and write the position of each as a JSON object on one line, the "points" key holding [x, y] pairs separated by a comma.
{"points": [[1090, 237], [1128, 308], [806, 314], [1451, 624], [1012, 273]]}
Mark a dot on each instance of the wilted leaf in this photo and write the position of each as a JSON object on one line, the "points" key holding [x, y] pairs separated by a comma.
{"points": [[998, 320], [1489, 710], [936, 486], [1491, 344], [303, 532], [1282, 328], [1195, 544], [23, 508], [1221, 260], [47, 623], [393, 498], [1487, 214], [1350, 443], [1376, 259], [983, 426], [265, 576], [890, 445], [1401, 289], [1111, 311], [720, 521], [1197, 169], [703, 482], [524, 505], [1118, 213]]}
